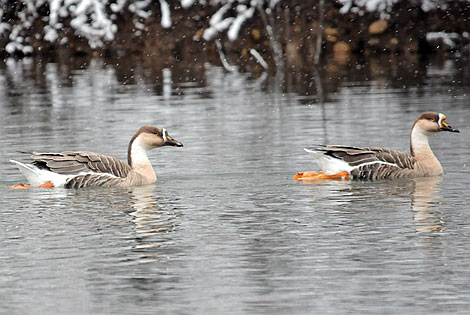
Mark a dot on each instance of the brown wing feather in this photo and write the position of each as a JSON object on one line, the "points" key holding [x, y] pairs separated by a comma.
{"points": [[400, 159], [93, 180], [70, 163]]}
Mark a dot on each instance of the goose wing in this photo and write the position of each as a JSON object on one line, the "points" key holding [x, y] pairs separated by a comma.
{"points": [[372, 162], [74, 163], [93, 180], [356, 156]]}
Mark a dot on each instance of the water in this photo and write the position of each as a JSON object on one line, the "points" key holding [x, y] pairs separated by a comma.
{"points": [[226, 230]]}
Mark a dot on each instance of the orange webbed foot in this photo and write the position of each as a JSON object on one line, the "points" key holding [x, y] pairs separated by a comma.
{"points": [[320, 176], [19, 186], [47, 184]]}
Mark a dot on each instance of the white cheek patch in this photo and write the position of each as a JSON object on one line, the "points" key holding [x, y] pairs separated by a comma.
{"points": [[165, 134], [441, 118]]}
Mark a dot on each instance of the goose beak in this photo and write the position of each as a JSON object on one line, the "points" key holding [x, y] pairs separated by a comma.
{"points": [[172, 142], [446, 127]]}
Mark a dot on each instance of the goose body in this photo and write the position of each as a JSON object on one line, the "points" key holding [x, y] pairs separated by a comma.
{"points": [[77, 169], [373, 163]]}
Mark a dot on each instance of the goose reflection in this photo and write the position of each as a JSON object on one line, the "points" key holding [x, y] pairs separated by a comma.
{"points": [[424, 200], [151, 216], [334, 192], [424, 194]]}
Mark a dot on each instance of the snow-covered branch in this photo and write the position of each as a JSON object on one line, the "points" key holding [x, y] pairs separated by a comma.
{"points": [[24, 23], [385, 6], [97, 20], [94, 20]]}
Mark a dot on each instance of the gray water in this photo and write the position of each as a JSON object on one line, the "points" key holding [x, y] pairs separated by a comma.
{"points": [[226, 230]]}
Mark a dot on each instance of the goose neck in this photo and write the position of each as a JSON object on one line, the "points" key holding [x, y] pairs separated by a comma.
{"points": [[428, 163], [419, 143], [137, 154]]}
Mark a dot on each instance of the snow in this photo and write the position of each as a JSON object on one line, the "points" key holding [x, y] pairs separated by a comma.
{"points": [[219, 24], [187, 3], [212, 31], [91, 22], [218, 16], [97, 20], [369, 5], [223, 58], [140, 8], [386, 5], [447, 38], [166, 20], [50, 34], [54, 12], [244, 14], [4, 27], [259, 58], [118, 6], [428, 5]]}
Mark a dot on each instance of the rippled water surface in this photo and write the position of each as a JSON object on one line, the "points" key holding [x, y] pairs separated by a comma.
{"points": [[226, 230]]}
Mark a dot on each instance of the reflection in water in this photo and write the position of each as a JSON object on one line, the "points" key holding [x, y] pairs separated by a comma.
{"points": [[167, 83], [424, 194], [423, 202], [336, 192], [148, 213], [153, 219], [319, 82]]}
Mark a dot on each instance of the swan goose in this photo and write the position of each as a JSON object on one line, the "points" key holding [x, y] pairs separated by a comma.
{"points": [[372, 163], [84, 169]]}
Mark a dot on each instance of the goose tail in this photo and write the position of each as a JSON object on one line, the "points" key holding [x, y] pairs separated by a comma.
{"points": [[31, 173], [314, 152], [328, 164]]}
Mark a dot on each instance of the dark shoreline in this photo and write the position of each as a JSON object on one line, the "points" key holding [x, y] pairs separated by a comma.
{"points": [[344, 36]]}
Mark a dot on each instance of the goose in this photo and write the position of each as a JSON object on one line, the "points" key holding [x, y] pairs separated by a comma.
{"points": [[373, 163], [80, 169]]}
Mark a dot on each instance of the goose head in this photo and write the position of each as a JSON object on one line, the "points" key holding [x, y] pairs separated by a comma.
{"points": [[430, 123], [148, 138], [151, 137]]}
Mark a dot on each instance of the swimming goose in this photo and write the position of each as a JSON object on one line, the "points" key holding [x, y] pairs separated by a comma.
{"points": [[344, 162], [84, 169]]}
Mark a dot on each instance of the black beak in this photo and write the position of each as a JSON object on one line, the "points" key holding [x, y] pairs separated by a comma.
{"points": [[172, 142], [446, 127]]}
